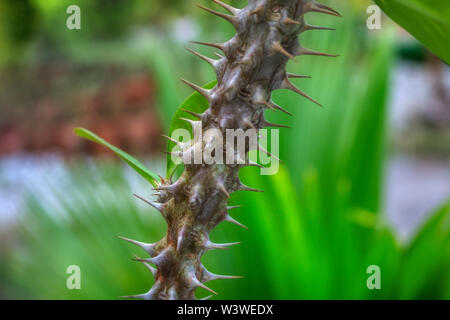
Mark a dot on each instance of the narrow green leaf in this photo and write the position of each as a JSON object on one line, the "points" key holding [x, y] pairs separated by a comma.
{"points": [[427, 258], [427, 20], [133, 162], [195, 103]]}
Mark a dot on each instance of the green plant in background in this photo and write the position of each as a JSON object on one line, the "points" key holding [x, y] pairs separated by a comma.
{"points": [[427, 20], [313, 233]]}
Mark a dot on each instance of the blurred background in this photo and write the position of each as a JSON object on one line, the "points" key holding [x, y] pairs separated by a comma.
{"points": [[365, 180]]}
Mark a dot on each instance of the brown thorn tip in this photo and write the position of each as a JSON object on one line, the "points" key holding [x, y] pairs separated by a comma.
{"points": [[222, 246], [174, 141], [277, 107], [297, 76], [234, 221], [309, 27], [331, 11], [227, 17], [199, 116], [205, 58], [210, 44], [275, 125], [201, 285], [290, 86], [309, 52], [230, 9], [197, 88], [279, 48], [156, 205], [291, 21], [222, 188]]}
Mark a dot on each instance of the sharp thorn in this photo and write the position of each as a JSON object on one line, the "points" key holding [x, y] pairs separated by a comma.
{"points": [[221, 246], [230, 219], [149, 267], [277, 47], [288, 85], [232, 19], [321, 8], [219, 55], [199, 116], [197, 88], [277, 107], [224, 277], [146, 246], [234, 207], [155, 260], [214, 45], [268, 153], [212, 62], [156, 205], [163, 180], [178, 143], [201, 285], [274, 125], [230, 9], [243, 187], [297, 76], [267, 104], [193, 123], [291, 21], [209, 276], [223, 189], [180, 238], [309, 52], [308, 27]]}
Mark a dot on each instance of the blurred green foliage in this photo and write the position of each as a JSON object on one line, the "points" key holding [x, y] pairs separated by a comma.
{"points": [[414, 15], [314, 231], [40, 25], [295, 249]]}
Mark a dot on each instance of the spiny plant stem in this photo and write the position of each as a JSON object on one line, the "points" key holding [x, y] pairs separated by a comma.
{"points": [[253, 66]]}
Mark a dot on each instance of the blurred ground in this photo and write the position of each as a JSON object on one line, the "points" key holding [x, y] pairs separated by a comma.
{"points": [[418, 174], [42, 106]]}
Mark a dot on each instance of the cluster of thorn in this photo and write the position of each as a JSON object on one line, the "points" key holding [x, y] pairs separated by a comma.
{"points": [[252, 66]]}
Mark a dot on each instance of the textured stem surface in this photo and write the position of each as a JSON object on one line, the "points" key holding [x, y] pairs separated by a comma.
{"points": [[252, 66]]}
